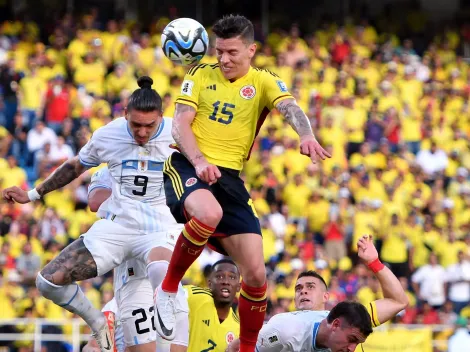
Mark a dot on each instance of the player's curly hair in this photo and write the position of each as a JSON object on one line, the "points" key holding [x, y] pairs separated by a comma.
{"points": [[232, 26], [145, 98]]}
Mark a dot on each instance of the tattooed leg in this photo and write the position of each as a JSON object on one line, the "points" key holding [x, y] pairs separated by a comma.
{"points": [[74, 263], [56, 282]]}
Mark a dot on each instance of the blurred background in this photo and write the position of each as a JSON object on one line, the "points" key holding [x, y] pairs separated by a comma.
{"points": [[386, 85]]}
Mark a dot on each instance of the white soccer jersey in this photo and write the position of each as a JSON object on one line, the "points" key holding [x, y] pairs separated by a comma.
{"points": [[293, 331], [132, 269], [138, 197]]}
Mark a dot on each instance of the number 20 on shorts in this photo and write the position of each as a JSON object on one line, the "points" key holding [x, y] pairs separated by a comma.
{"points": [[226, 114]]}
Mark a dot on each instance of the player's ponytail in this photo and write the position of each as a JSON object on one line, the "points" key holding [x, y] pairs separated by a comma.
{"points": [[145, 98]]}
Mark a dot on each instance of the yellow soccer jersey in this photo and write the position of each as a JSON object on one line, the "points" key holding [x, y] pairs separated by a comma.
{"points": [[372, 309], [206, 333], [229, 114]]}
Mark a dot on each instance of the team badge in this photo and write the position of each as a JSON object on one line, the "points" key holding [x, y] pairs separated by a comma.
{"points": [[229, 337], [190, 182], [247, 92]]}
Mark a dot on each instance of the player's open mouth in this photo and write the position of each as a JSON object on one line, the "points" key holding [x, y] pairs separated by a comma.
{"points": [[304, 300], [225, 292], [225, 68]]}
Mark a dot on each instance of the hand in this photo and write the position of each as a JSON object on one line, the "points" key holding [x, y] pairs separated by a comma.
{"points": [[366, 249], [207, 172], [310, 147], [234, 346], [16, 194]]}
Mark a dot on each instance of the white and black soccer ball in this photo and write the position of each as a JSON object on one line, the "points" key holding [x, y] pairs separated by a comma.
{"points": [[184, 41]]}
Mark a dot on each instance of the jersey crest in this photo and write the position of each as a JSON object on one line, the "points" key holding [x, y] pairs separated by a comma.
{"points": [[248, 92]]}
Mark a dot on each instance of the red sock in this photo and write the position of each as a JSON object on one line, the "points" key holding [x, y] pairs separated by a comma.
{"points": [[187, 249], [252, 309]]}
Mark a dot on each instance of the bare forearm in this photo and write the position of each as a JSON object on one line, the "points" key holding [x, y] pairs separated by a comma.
{"points": [[184, 136], [295, 117], [62, 176], [395, 299], [391, 286]]}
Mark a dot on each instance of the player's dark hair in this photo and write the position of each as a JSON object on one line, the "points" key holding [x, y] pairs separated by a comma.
{"points": [[224, 261], [232, 26], [354, 313], [313, 273], [145, 98]]}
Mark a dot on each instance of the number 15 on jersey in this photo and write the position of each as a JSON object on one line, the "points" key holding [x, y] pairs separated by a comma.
{"points": [[225, 116]]}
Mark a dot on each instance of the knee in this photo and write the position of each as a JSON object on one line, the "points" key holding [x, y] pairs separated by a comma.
{"points": [[44, 286], [254, 275], [202, 205], [210, 216]]}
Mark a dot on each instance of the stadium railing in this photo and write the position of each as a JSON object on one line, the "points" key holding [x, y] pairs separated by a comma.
{"points": [[77, 338]]}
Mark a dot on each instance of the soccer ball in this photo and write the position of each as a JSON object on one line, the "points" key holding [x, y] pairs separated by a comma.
{"points": [[184, 41]]}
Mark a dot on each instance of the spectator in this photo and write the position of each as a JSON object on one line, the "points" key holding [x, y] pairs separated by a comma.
{"points": [[429, 283], [28, 265], [39, 136], [9, 80], [432, 161], [57, 104], [60, 151], [458, 277], [32, 91]]}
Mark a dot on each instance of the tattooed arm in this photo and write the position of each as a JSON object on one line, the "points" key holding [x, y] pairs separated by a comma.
{"points": [[62, 176], [187, 144], [183, 134], [295, 116], [299, 121]]}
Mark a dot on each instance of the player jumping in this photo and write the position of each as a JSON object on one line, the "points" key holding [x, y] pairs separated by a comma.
{"points": [[218, 114], [136, 222], [133, 292]]}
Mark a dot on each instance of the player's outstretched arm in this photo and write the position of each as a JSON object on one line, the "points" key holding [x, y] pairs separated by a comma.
{"points": [[395, 299], [63, 175], [300, 123], [187, 144]]}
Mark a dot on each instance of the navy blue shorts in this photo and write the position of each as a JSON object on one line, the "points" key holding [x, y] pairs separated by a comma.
{"points": [[239, 216]]}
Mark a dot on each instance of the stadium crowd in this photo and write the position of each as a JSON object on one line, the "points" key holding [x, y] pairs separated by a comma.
{"points": [[397, 124]]}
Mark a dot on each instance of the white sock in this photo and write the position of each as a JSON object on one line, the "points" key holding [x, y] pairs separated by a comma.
{"points": [[72, 298], [156, 272]]}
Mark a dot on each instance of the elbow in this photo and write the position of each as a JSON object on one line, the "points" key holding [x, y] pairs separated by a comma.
{"points": [[404, 302], [93, 205]]}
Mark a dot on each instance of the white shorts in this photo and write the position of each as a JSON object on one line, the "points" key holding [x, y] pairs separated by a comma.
{"points": [[135, 302], [136, 307], [111, 244]]}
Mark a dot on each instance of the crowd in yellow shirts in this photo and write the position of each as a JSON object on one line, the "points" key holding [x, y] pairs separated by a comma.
{"points": [[397, 125]]}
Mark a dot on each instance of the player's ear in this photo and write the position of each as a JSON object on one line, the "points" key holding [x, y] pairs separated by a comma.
{"points": [[239, 286], [326, 296], [125, 113], [336, 324], [252, 50]]}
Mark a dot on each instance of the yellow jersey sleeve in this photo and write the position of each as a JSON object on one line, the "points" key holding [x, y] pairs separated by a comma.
{"points": [[191, 86], [274, 88], [372, 309]]}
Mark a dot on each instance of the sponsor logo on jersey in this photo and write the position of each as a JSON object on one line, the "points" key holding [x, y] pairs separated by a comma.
{"points": [[187, 87], [282, 86], [212, 87], [247, 92], [229, 337], [272, 340], [191, 182]]}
